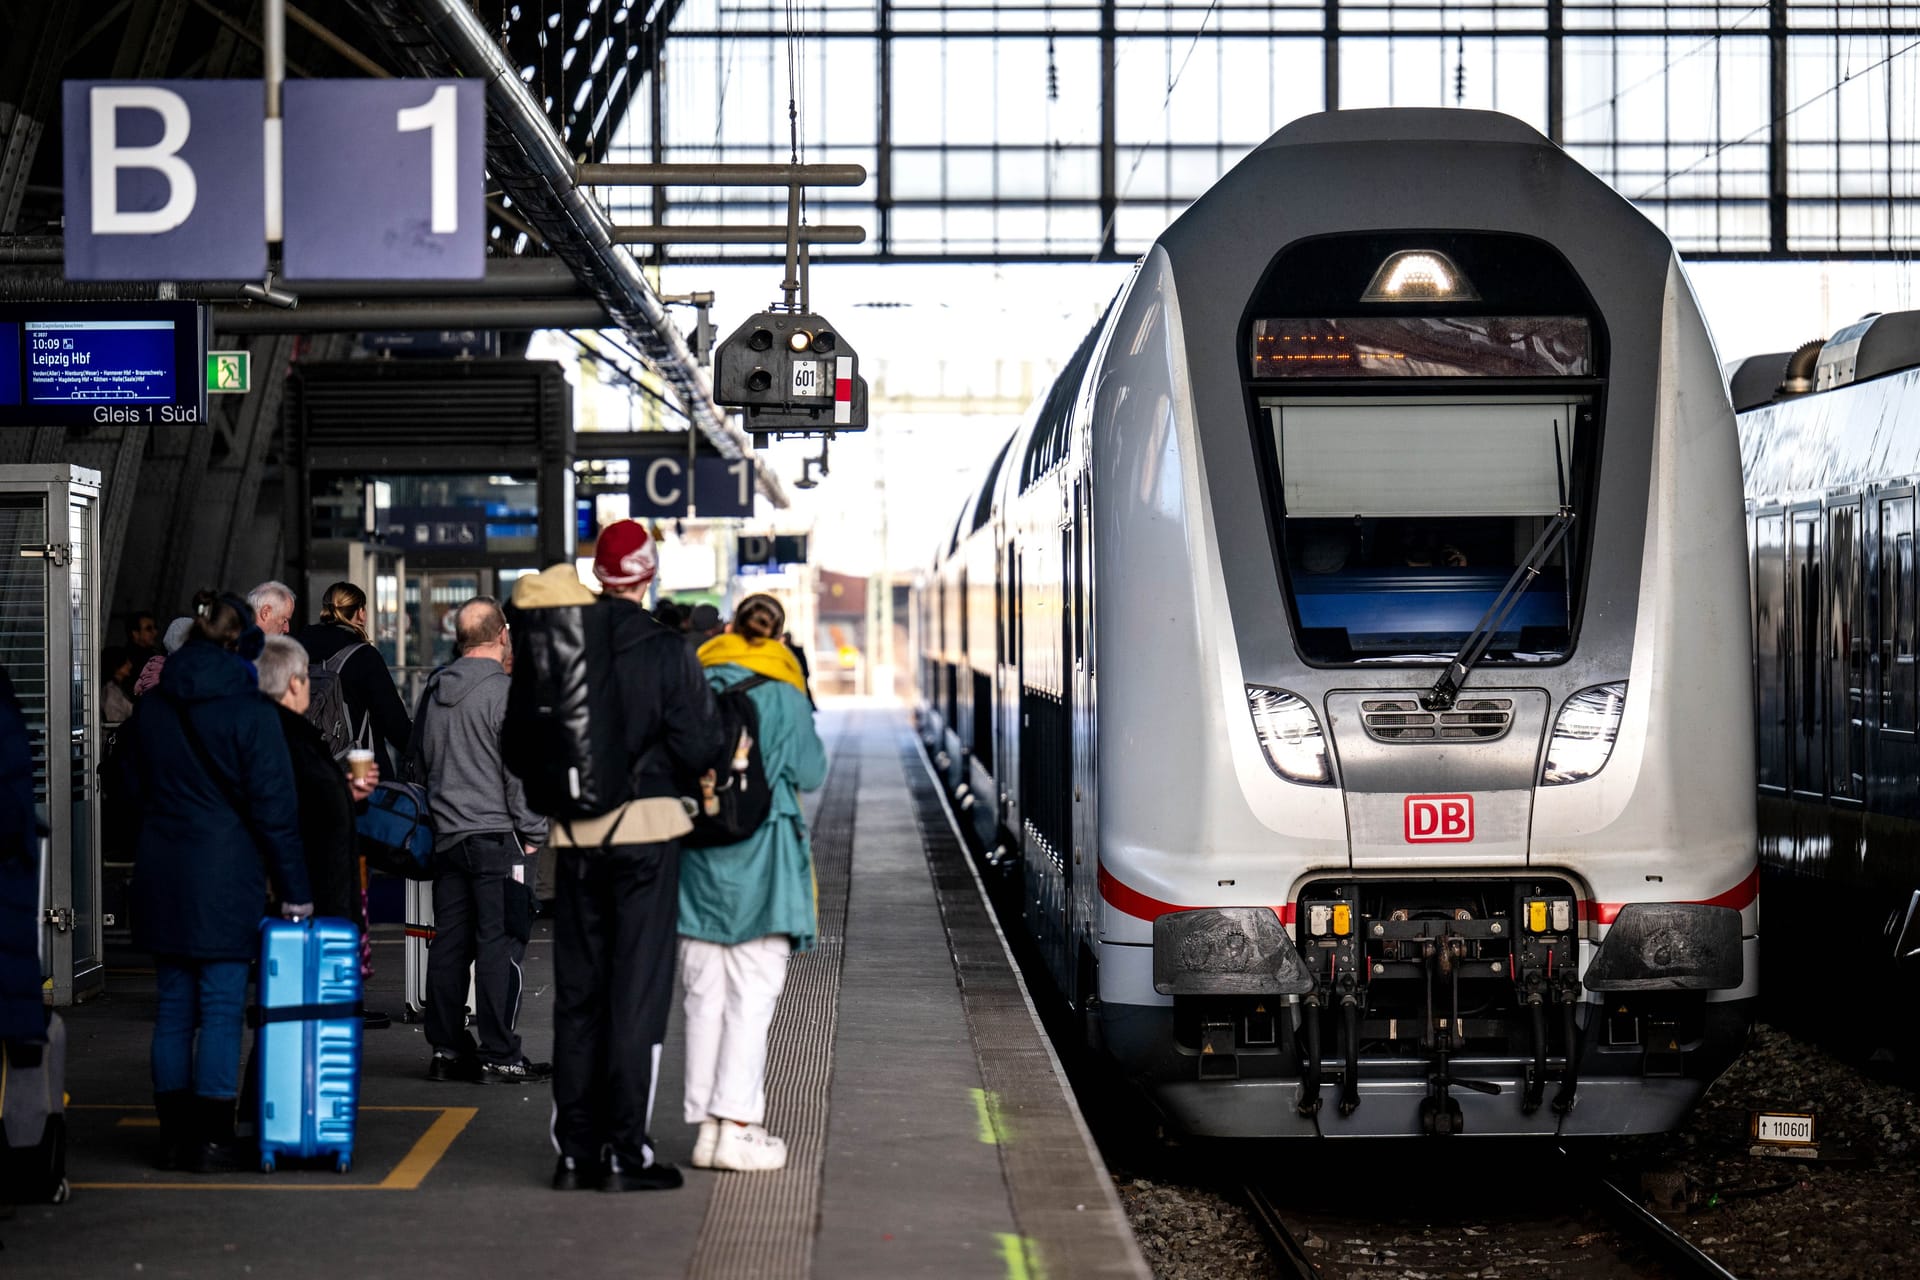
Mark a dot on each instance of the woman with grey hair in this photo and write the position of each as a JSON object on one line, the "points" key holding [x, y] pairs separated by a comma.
{"points": [[325, 793]]}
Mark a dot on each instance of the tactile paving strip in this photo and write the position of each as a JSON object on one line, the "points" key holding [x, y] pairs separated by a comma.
{"points": [[1069, 1217], [763, 1225]]}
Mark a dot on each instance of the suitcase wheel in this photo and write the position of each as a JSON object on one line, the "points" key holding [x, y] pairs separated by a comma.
{"points": [[343, 1165], [266, 1163], [63, 1192]]}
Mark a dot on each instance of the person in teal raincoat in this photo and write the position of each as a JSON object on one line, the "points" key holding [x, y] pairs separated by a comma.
{"points": [[744, 908]]}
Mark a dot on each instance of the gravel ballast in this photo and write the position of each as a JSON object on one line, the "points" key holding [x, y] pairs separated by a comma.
{"points": [[1855, 1212]]}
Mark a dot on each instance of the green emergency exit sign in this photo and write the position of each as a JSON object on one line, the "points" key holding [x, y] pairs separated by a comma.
{"points": [[229, 372]]}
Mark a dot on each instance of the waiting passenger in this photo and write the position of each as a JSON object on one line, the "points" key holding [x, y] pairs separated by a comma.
{"points": [[703, 624], [745, 908], [143, 638], [616, 890], [116, 685], [272, 604], [483, 834], [219, 817], [326, 793], [366, 686]]}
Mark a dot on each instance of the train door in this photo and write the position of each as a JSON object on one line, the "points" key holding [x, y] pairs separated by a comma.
{"points": [[1806, 704], [1008, 757], [1846, 651], [1896, 616], [1085, 862], [1770, 641]]}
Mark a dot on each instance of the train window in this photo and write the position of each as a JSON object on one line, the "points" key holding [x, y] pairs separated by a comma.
{"points": [[1896, 614], [1808, 710], [1405, 518], [1770, 646], [1846, 652], [1423, 347]]}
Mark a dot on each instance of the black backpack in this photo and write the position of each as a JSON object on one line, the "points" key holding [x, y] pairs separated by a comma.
{"points": [[327, 705], [564, 737], [740, 798]]}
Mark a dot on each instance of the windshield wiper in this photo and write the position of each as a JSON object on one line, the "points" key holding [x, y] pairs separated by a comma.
{"points": [[1447, 688]]}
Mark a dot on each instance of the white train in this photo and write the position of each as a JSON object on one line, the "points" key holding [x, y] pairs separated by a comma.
{"points": [[1352, 653]]}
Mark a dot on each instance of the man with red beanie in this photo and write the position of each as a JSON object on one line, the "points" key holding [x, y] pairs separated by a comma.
{"points": [[617, 875]]}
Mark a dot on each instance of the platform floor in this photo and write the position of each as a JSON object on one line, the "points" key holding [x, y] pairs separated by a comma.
{"points": [[931, 1132]]}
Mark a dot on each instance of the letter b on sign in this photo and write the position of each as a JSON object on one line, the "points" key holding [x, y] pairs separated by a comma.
{"points": [[1438, 819]]}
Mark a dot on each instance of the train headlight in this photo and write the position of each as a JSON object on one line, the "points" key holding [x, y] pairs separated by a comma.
{"points": [[1290, 736], [1419, 275], [1583, 735]]}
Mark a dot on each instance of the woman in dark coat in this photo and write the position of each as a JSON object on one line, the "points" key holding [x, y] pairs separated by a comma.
{"points": [[326, 795], [365, 683], [218, 822]]}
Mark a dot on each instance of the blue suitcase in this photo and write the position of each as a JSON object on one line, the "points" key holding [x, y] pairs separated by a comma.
{"points": [[308, 1042]]}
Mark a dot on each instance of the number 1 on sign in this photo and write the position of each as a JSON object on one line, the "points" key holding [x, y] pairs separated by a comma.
{"points": [[440, 116], [742, 473]]}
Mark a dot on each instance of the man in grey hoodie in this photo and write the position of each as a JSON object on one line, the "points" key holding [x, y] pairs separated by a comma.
{"points": [[483, 834]]}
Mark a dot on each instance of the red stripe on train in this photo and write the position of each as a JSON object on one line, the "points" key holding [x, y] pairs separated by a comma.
{"points": [[1132, 902], [1740, 897], [1140, 906]]}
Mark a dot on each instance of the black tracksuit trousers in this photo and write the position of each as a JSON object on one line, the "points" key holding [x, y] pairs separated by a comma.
{"points": [[614, 934]]}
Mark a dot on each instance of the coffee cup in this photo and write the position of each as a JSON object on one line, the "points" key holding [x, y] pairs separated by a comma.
{"points": [[359, 763]]}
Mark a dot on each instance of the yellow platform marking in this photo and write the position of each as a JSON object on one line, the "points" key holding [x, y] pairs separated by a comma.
{"points": [[412, 1170]]}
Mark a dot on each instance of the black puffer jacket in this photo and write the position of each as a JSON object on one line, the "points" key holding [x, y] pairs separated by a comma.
{"points": [[326, 820], [606, 705], [367, 686]]}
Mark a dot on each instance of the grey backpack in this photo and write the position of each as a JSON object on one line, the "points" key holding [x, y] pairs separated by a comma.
{"points": [[327, 705]]}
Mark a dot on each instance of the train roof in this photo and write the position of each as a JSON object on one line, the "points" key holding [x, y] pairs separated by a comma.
{"points": [[1405, 124]]}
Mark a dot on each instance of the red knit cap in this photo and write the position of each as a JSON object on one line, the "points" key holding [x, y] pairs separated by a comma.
{"points": [[624, 556]]}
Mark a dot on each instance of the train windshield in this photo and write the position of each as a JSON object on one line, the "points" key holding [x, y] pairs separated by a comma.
{"points": [[1405, 516]]}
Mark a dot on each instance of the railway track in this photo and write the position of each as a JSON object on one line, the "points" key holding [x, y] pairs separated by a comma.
{"points": [[1590, 1228]]}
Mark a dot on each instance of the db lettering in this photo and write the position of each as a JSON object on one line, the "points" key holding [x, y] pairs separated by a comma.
{"points": [[1439, 819]]}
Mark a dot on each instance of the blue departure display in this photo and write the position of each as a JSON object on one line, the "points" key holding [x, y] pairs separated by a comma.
{"points": [[94, 363], [99, 361]]}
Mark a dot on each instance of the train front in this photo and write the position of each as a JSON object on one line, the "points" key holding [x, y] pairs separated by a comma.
{"points": [[1425, 762]]}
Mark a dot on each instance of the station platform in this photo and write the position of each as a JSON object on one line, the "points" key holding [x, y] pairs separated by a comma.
{"points": [[931, 1131]]}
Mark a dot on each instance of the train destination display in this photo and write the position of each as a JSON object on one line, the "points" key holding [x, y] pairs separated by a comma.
{"points": [[101, 363]]}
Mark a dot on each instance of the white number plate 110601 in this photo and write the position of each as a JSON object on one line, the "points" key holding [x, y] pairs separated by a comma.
{"points": [[1783, 1128]]}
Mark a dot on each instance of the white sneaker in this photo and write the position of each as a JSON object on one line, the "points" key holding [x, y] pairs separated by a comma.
{"points": [[748, 1149], [704, 1144]]}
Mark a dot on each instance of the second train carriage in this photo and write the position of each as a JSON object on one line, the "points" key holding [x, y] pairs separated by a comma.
{"points": [[1351, 653], [1830, 441]]}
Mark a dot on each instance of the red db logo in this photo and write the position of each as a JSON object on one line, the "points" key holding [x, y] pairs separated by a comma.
{"points": [[1439, 819]]}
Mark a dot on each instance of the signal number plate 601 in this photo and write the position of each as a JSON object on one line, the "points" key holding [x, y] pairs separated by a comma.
{"points": [[1438, 819]]}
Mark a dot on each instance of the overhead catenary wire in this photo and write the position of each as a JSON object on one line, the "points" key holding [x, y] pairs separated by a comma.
{"points": [[1166, 109], [1667, 179]]}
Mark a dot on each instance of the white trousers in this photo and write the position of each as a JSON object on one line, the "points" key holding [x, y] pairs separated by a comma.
{"points": [[730, 996]]}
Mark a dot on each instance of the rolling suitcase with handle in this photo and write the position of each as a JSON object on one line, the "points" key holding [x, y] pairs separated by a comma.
{"points": [[308, 1043]]}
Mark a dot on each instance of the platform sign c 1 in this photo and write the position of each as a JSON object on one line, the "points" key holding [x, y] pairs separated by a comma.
{"points": [[722, 488]]}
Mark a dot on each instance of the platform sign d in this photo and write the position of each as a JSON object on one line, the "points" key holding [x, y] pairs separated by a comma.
{"points": [[385, 180], [165, 179]]}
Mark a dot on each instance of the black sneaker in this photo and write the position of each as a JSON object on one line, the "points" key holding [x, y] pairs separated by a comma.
{"points": [[445, 1067], [568, 1175], [521, 1072], [654, 1177]]}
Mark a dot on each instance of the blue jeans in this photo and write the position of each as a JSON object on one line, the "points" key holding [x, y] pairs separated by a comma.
{"points": [[209, 996]]}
